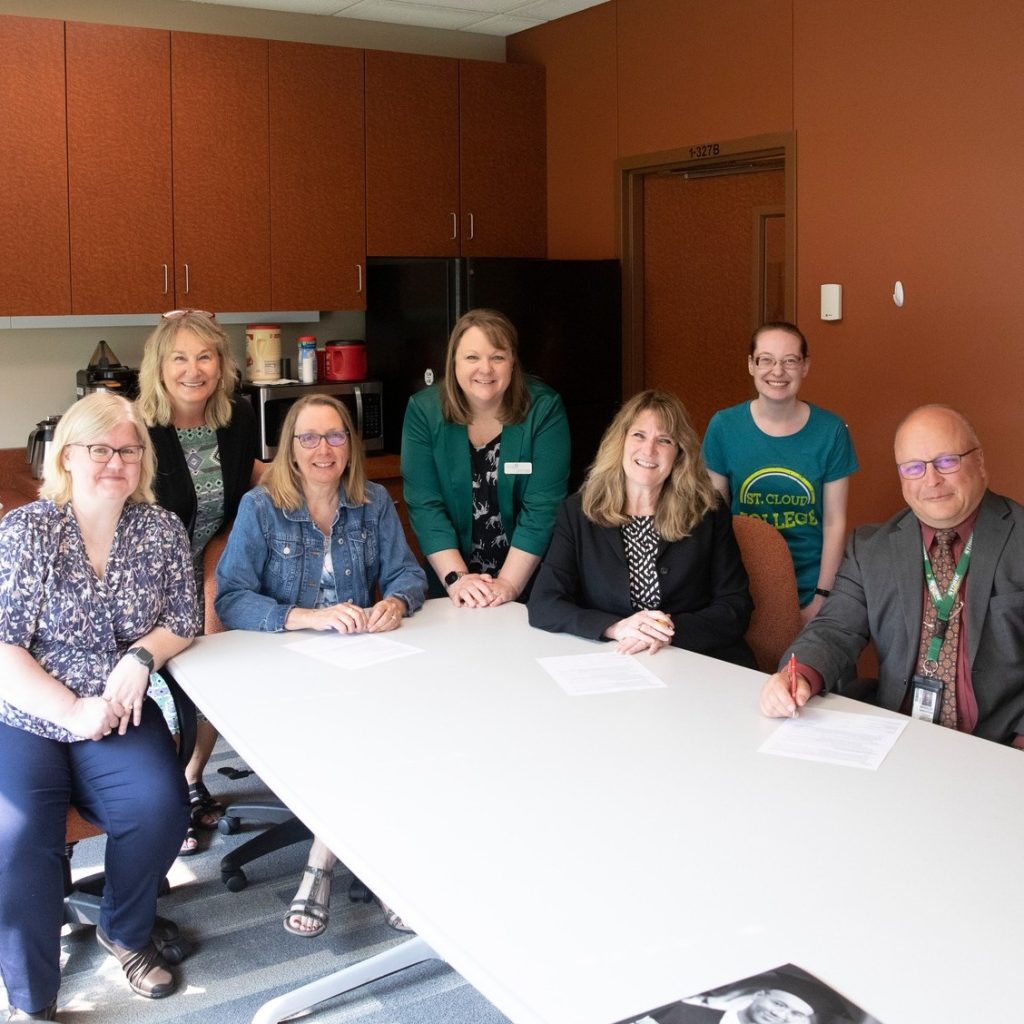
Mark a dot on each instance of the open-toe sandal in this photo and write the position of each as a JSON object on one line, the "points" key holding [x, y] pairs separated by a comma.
{"points": [[190, 844], [315, 905], [206, 809]]}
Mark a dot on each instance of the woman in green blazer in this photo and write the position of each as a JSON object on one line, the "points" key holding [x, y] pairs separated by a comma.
{"points": [[485, 461]]}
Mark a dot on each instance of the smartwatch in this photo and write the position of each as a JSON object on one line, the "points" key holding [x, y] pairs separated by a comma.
{"points": [[142, 656], [452, 577]]}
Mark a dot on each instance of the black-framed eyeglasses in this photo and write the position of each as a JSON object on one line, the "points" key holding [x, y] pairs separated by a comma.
{"points": [[311, 439], [945, 464], [180, 314], [130, 453], [768, 362]]}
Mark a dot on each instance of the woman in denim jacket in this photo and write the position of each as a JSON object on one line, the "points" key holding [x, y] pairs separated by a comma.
{"points": [[308, 550]]}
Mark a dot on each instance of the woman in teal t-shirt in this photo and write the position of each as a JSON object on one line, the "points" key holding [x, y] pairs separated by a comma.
{"points": [[786, 461]]}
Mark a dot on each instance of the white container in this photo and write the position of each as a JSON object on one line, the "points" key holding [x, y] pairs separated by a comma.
{"points": [[262, 352], [307, 359]]}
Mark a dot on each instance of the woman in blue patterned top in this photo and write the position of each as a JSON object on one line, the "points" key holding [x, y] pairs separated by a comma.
{"points": [[309, 549], [204, 437], [96, 590]]}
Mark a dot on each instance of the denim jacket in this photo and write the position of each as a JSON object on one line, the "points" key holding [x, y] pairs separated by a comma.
{"points": [[274, 559]]}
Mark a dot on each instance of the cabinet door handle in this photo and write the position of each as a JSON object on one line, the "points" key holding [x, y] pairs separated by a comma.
{"points": [[165, 277], [472, 231], [359, 273], [185, 265], [455, 226]]}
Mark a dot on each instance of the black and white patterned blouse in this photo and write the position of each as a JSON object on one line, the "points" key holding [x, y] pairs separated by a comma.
{"points": [[641, 540], [490, 545], [74, 624]]}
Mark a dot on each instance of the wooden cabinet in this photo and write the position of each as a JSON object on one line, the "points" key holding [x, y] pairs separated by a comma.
{"points": [[219, 96], [317, 177], [412, 155], [119, 169], [455, 157], [35, 272], [503, 169]]}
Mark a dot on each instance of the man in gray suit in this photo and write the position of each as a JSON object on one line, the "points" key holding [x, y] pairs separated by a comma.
{"points": [[950, 641]]}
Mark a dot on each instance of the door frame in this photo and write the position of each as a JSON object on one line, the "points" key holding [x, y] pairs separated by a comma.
{"points": [[734, 156]]}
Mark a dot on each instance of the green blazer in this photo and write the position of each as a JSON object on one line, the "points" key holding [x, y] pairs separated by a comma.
{"points": [[438, 484]]}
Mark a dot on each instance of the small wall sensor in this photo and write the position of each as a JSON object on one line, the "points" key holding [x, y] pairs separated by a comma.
{"points": [[831, 302], [897, 293]]}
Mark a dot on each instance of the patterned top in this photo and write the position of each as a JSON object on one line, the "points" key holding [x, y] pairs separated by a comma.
{"points": [[75, 625], [641, 540], [490, 545]]}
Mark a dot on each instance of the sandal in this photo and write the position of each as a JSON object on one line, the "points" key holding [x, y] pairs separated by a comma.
{"points": [[391, 919], [206, 810], [314, 906], [190, 844]]}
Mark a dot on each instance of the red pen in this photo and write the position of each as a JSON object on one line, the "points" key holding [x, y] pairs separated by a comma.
{"points": [[792, 677]]}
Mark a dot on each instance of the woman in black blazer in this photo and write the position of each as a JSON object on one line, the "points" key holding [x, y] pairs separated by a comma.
{"points": [[644, 554]]}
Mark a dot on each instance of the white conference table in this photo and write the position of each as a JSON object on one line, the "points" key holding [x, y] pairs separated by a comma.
{"points": [[583, 859]]}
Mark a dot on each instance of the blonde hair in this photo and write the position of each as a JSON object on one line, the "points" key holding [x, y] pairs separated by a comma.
{"points": [[501, 333], [686, 496], [153, 400], [282, 479], [87, 420]]}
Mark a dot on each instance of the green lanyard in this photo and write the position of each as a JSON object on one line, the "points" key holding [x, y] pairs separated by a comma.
{"points": [[944, 602]]}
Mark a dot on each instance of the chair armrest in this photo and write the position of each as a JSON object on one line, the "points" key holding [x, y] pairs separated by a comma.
{"points": [[187, 720]]}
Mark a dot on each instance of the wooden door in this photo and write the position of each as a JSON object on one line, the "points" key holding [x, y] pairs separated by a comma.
{"points": [[220, 135], [502, 159], [412, 155], [317, 177], [119, 166], [35, 273]]}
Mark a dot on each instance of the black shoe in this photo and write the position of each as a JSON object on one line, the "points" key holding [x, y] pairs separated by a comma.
{"points": [[144, 968], [47, 1013]]}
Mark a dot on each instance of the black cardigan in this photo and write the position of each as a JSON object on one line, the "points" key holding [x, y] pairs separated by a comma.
{"points": [[237, 443], [583, 583]]}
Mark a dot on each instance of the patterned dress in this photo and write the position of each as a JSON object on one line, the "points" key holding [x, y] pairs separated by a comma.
{"points": [[74, 624], [490, 544], [641, 540]]}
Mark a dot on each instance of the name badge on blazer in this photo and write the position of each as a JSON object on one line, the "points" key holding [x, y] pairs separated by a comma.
{"points": [[519, 468]]}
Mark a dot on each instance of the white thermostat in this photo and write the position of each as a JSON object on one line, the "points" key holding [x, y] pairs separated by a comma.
{"points": [[831, 302]]}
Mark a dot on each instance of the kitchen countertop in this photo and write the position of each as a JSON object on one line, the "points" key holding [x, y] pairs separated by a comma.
{"points": [[17, 486]]}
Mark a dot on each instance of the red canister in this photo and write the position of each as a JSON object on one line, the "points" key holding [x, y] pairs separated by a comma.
{"points": [[345, 360]]}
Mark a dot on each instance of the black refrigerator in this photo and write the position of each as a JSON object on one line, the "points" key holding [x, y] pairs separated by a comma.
{"points": [[567, 314]]}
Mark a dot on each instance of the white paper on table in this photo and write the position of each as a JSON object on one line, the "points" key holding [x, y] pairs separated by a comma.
{"points": [[353, 650], [836, 737], [581, 674]]}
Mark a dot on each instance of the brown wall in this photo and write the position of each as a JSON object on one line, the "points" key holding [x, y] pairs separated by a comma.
{"points": [[909, 132]]}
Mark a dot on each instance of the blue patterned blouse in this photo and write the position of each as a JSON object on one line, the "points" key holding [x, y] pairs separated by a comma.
{"points": [[75, 625]]}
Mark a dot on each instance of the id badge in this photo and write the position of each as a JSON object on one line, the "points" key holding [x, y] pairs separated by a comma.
{"points": [[927, 698], [518, 468]]}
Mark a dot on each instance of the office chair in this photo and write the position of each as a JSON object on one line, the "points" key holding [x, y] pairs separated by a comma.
{"points": [[776, 618], [285, 829], [82, 898]]}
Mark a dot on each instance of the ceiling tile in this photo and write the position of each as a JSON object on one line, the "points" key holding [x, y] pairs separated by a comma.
{"points": [[504, 25]]}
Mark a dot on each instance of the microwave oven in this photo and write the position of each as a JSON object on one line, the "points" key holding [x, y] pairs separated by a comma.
{"points": [[271, 402]]}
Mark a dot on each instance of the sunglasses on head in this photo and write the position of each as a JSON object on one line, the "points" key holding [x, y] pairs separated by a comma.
{"points": [[178, 314]]}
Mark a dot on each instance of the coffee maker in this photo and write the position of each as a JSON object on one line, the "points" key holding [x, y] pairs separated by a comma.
{"points": [[105, 372]]}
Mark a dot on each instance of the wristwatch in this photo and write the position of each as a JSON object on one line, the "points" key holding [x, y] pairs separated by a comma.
{"points": [[141, 655], [822, 592], [452, 577]]}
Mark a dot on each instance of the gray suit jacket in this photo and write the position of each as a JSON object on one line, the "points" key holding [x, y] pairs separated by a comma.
{"points": [[878, 596]]}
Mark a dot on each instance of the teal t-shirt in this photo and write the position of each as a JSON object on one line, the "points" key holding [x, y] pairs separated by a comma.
{"points": [[781, 479]]}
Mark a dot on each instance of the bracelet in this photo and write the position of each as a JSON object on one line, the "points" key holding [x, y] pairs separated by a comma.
{"points": [[822, 592]]}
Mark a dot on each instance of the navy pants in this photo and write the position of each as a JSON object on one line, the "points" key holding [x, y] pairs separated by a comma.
{"points": [[132, 787]]}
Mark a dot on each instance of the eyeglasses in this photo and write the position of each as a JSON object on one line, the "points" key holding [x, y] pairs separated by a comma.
{"points": [[768, 362], [179, 314], [130, 454], [943, 464], [311, 439]]}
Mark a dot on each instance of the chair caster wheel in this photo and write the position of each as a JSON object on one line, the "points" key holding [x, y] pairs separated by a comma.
{"points": [[175, 952], [358, 892], [228, 825], [234, 880]]}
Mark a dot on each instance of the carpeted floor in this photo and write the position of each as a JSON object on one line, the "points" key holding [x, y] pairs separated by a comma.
{"points": [[244, 956]]}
